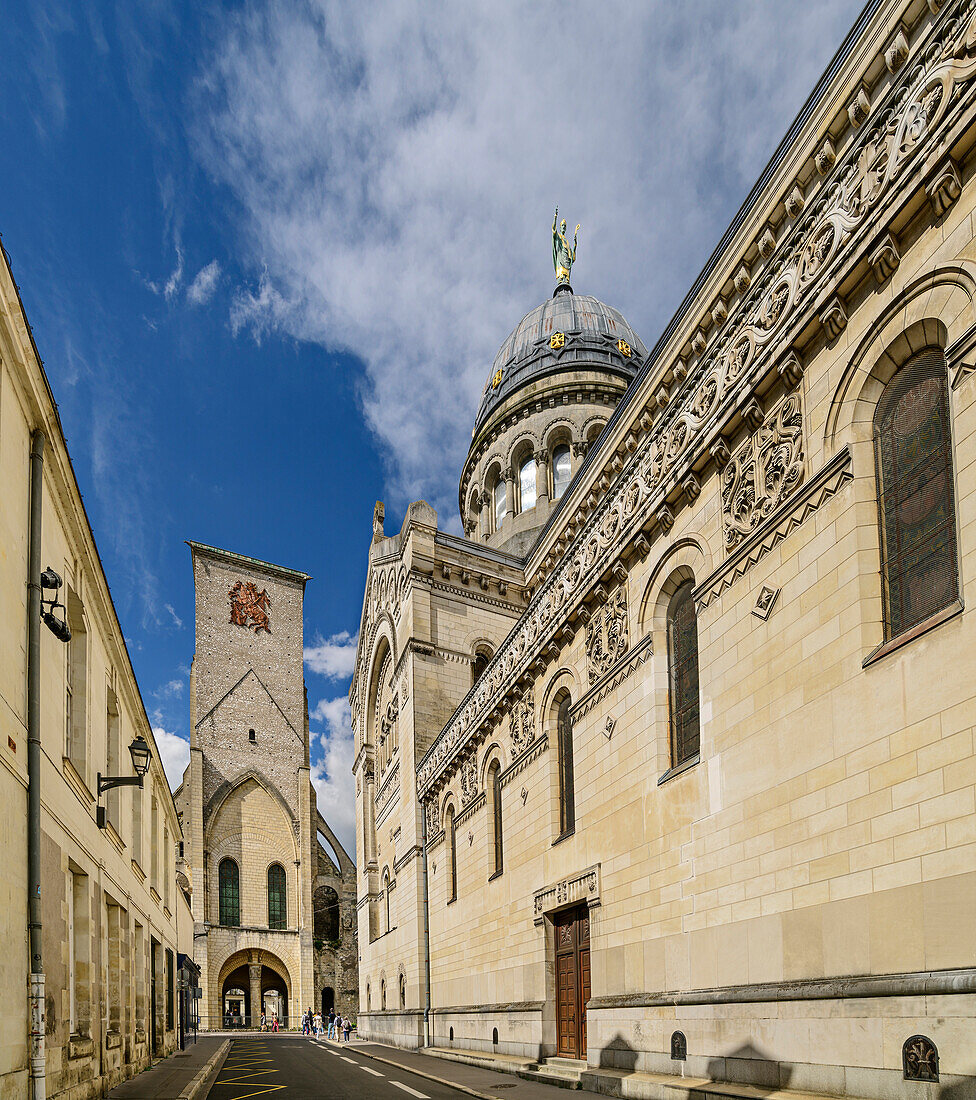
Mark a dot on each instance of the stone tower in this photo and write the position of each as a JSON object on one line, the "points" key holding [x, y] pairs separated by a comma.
{"points": [[249, 814]]}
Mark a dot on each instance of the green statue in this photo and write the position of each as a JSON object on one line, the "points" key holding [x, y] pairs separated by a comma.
{"points": [[563, 257]]}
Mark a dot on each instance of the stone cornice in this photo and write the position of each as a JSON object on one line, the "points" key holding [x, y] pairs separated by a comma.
{"points": [[907, 121]]}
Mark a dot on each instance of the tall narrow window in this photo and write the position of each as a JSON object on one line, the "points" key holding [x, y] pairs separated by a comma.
{"points": [[113, 755], [386, 901], [913, 456], [683, 670], [495, 787], [76, 686], [567, 779], [170, 983], [229, 890], [527, 485], [498, 501], [451, 855], [482, 655], [277, 897], [560, 470]]}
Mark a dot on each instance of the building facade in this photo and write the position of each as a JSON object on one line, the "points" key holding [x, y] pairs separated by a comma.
{"points": [[274, 932], [666, 771], [114, 914]]}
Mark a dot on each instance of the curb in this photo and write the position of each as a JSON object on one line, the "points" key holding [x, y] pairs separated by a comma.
{"points": [[420, 1073], [195, 1088]]}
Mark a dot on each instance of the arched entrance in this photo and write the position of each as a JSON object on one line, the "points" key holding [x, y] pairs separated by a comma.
{"points": [[253, 983], [328, 999]]}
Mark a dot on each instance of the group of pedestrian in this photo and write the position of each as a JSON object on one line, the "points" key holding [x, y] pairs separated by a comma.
{"points": [[338, 1027], [269, 1026]]}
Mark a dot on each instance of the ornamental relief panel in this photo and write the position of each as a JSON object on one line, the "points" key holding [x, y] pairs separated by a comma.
{"points": [[763, 471], [848, 198], [433, 818], [522, 723], [606, 635], [469, 780]]}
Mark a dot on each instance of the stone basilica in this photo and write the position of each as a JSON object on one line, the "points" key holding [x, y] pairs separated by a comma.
{"points": [[665, 771], [273, 890]]}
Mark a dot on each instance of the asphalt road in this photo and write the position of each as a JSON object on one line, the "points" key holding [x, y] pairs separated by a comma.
{"points": [[294, 1068]]}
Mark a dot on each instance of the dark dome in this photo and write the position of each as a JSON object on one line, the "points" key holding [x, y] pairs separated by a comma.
{"points": [[594, 335]]}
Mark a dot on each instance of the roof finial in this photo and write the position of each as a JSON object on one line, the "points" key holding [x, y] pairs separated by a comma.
{"points": [[563, 257]]}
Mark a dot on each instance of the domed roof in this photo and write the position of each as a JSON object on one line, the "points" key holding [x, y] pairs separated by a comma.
{"points": [[568, 331]]}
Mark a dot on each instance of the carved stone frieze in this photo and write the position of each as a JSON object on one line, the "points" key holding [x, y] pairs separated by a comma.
{"points": [[584, 886], [433, 818], [606, 635], [763, 471], [522, 723], [469, 779], [906, 122]]}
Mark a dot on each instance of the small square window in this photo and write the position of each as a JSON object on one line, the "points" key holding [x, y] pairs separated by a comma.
{"points": [[251, 735]]}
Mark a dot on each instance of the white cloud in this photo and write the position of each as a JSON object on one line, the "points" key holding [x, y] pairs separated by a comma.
{"points": [[332, 775], [174, 751], [200, 291], [397, 174], [169, 689], [177, 621], [334, 657]]}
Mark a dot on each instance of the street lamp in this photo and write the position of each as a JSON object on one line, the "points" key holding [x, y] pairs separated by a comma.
{"points": [[141, 755], [51, 582]]}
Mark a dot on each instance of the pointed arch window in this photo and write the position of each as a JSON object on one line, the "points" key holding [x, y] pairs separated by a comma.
{"points": [[386, 901], [229, 893], [683, 675], [560, 470], [495, 788], [567, 775], [277, 897], [916, 500]]}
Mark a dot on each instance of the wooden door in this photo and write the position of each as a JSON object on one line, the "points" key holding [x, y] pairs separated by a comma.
{"points": [[572, 930]]}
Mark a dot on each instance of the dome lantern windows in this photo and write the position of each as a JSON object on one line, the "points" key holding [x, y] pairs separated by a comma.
{"points": [[498, 502], [561, 471], [527, 497]]}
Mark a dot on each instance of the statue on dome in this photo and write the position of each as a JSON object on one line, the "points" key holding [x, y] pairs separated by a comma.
{"points": [[563, 257]]}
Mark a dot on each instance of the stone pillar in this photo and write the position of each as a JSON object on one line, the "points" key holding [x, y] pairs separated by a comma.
{"points": [[509, 491], [254, 973], [542, 479], [579, 453], [485, 513]]}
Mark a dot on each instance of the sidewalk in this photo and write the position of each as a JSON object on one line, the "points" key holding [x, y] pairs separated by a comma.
{"points": [[482, 1083], [185, 1075]]}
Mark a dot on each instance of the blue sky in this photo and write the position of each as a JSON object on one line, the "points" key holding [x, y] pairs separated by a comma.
{"points": [[268, 252]]}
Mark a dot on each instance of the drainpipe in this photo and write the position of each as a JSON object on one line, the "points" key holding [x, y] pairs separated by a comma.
{"points": [[37, 1070], [423, 834]]}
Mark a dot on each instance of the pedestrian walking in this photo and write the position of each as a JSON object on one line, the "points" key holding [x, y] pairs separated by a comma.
{"points": [[264, 1022], [338, 1028], [317, 1024], [274, 1022], [332, 1019], [346, 1027]]}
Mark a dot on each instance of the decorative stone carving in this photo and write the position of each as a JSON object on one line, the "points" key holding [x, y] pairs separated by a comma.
{"points": [[825, 157], [606, 635], [680, 370], [834, 318], [897, 53], [698, 342], [691, 487], [763, 471], [944, 187], [469, 780], [608, 726], [249, 607], [920, 1059], [859, 106], [582, 887], [679, 1046], [665, 517], [794, 202], [379, 512], [719, 450], [524, 795], [753, 414], [872, 167], [764, 602], [742, 279], [885, 258], [720, 311], [791, 369], [522, 723], [767, 243], [433, 818]]}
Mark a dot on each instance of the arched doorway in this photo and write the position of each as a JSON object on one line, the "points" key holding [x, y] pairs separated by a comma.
{"points": [[253, 983], [328, 1000]]}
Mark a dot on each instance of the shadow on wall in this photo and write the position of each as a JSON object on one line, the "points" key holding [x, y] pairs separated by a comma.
{"points": [[962, 1090], [618, 1054], [749, 1066]]}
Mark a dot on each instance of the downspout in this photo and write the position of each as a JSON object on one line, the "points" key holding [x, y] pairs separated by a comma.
{"points": [[423, 834], [37, 1022]]}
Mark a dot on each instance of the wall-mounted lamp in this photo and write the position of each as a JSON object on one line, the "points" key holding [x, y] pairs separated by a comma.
{"points": [[51, 582], [141, 755]]}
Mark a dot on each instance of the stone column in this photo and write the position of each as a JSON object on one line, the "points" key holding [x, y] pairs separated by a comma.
{"points": [[485, 513], [254, 973], [542, 479], [509, 491]]}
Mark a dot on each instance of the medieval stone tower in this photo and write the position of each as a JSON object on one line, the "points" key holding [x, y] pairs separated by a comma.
{"points": [[273, 912]]}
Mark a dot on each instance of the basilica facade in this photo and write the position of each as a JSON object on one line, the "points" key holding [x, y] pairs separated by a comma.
{"points": [[273, 889], [665, 770]]}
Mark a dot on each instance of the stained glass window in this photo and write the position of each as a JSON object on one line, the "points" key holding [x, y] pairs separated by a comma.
{"points": [[495, 783], [683, 671], [277, 897], [567, 778], [229, 889], [913, 457]]}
